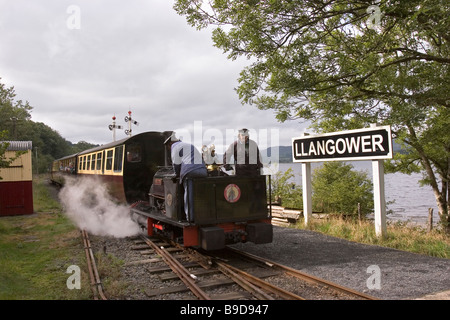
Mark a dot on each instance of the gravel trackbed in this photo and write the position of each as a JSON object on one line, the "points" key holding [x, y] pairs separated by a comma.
{"points": [[378, 271]]}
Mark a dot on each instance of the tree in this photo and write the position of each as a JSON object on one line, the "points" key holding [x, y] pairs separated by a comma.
{"points": [[344, 65], [12, 112]]}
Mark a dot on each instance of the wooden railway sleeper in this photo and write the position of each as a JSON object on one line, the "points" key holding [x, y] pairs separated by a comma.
{"points": [[244, 283]]}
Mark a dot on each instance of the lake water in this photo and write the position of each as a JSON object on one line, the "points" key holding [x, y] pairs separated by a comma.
{"points": [[411, 200]]}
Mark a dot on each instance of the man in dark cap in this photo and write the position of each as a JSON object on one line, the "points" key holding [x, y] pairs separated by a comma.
{"points": [[245, 152], [187, 163]]}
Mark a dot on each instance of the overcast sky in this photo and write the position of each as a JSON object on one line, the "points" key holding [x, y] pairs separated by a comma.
{"points": [[78, 63]]}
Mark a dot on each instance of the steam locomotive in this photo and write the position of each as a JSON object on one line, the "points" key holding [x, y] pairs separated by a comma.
{"points": [[138, 171]]}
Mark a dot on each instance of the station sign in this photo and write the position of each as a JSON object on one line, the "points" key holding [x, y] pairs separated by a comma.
{"points": [[361, 144]]}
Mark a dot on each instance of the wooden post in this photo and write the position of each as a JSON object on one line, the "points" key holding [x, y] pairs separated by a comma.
{"points": [[359, 213], [430, 219], [379, 198], [307, 194]]}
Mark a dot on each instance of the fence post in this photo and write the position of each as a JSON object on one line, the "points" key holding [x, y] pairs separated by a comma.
{"points": [[430, 219], [359, 213]]}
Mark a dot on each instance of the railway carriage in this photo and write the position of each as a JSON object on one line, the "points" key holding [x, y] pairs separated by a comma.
{"points": [[127, 166], [138, 171]]}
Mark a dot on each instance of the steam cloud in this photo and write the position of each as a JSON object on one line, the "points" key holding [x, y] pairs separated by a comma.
{"points": [[89, 205]]}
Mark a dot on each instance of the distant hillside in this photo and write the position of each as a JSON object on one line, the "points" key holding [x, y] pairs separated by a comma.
{"points": [[284, 153]]}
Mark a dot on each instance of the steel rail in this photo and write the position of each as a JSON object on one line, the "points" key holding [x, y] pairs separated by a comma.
{"points": [[251, 281], [96, 284], [304, 276], [89, 265], [179, 270], [244, 283]]}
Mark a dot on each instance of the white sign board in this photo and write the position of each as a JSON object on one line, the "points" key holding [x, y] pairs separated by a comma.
{"points": [[373, 143], [361, 144]]}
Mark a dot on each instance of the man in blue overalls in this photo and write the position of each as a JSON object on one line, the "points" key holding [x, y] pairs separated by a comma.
{"points": [[187, 163]]}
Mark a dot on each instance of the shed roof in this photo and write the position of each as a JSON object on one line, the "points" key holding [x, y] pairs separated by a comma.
{"points": [[18, 145]]}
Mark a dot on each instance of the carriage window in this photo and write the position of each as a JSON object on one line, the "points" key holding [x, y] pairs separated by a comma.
{"points": [[84, 163], [99, 161], [109, 159], [93, 162], [88, 162], [118, 159], [134, 153]]}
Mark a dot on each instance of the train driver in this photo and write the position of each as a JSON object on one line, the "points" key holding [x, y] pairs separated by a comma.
{"points": [[187, 163], [247, 158]]}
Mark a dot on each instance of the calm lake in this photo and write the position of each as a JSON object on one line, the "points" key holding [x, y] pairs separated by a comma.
{"points": [[411, 200]]}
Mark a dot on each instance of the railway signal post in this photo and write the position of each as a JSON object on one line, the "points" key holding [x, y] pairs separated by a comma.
{"points": [[130, 121], [113, 127]]}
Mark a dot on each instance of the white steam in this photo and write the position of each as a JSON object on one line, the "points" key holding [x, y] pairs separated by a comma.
{"points": [[88, 203]]}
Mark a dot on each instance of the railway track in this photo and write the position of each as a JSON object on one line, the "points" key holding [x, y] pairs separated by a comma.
{"points": [[96, 284], [171, 272]]}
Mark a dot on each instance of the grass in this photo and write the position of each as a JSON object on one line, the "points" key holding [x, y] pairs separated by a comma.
{"points": [[43, 201], [109, 269], [400, 235], [37, 249]]}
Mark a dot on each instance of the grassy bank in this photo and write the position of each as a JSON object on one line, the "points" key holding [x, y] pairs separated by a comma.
{"points": [[399, 235], [37, 249]]}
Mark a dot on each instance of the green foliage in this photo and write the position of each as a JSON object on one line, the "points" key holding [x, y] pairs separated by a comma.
{"points": [[287, 192], [337, 188], [81, 146], [12, 112], [3, 146]]}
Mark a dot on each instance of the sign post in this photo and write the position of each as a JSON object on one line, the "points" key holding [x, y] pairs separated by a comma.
{"points": [[372, 143], [379, 199], [307, 191]]}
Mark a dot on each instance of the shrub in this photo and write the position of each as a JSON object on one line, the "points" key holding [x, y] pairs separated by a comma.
{"points": [[337, 188], [288, 193]]}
